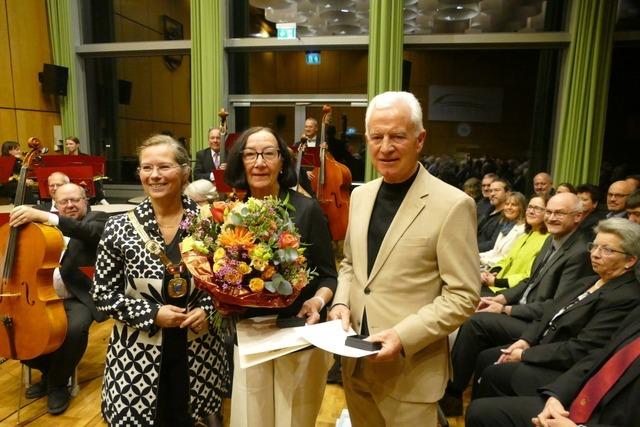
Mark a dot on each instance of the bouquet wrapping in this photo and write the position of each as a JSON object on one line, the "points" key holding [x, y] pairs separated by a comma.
{"points": [[246, 254]]}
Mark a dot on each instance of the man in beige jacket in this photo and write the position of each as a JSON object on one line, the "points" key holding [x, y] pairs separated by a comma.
{"points": [[409, 276]]}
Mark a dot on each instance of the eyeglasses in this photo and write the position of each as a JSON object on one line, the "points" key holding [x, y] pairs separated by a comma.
{"points": [[268, 155], [558, 214], [536, 209], [73, 201], [617, 195], [604, 250], [162, 169]]}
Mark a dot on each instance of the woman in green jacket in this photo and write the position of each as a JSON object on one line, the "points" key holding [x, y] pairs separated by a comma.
{"points": [[516, 266]]}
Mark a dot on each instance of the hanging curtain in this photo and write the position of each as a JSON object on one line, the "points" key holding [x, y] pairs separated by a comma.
{"points": [[207, 52], [386, 28], [578, 148], [59, 13]]}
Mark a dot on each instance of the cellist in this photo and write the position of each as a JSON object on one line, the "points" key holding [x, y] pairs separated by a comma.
{"points": [[82, 230]]}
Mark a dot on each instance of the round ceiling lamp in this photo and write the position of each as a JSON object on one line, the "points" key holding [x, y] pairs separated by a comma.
{"points": [[289, 14], [275, 4], [456, 10]]}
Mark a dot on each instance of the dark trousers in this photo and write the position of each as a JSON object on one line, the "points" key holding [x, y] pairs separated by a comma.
{"points": [[480, 332], [173, 391], [60, 365], [503, 411], [508, 379]]}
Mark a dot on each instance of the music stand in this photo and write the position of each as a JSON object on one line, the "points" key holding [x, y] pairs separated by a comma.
{"points": [[7, 164], [221, 185], [80, 175], [97, 163]]}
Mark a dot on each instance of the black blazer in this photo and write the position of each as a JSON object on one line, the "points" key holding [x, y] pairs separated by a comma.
{"points": [[204, 165], [620, 405], [587, 224], [80, 252], [587, 325], [557, 279]]}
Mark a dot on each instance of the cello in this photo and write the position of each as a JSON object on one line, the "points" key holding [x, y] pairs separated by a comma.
{"points": [[32, 316], [331, 182]]}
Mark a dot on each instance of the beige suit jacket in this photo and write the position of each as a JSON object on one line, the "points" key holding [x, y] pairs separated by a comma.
{"points": [[424, 282]]}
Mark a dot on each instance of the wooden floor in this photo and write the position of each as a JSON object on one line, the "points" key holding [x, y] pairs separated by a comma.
{"points": [[85, 407]]}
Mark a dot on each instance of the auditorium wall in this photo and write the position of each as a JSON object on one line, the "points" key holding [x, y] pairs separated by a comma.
{"points": [[25, 45], [160, 86]]}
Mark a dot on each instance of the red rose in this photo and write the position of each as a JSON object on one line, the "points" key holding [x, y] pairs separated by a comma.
{"points": [[288, 240], [217, 211]]}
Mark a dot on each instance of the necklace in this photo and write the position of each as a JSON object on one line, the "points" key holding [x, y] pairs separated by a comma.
{"points": [[177, 286]]}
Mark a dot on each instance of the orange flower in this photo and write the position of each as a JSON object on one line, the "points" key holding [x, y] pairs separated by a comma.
{"points": [[237, 236], [288, 240], [268, 272], [217, 211]]}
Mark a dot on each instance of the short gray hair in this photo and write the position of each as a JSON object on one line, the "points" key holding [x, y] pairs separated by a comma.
{"points": [[388, 100], [627, 231], [201, 190]]}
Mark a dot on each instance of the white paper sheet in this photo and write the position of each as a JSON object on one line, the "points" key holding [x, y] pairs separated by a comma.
{"points": [[330, 337], [260, 340]]}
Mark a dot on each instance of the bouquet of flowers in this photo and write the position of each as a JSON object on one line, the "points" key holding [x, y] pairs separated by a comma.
{"points": [[246, 254]]}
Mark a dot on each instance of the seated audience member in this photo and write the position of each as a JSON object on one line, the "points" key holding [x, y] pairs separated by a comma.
{"points": [[82, 229], [500, 320], [489, 228], [514, 226], [484, 206], [633, 207], [472, 188], [633, 181], [543, 184], [589, 195], [516, 265], [201, 191], [572, 326], [617, 199], [566, 187], [592, 392], [54, 181]]}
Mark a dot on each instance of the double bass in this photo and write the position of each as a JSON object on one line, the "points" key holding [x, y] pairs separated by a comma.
{"points": [[331, 182], [32, 317]]}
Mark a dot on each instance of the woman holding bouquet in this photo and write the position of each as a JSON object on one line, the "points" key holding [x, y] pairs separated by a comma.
{"points": [[287, 391], [165, 365]]}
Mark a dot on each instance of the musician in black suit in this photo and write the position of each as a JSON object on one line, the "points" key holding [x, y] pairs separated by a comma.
{"points": [[82, 230], [501, 319], [572, 326], [54, 181], [619, 406], [210, 158]]}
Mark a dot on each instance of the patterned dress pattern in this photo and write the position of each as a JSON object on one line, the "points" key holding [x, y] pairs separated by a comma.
{"points": [[128, 287]]}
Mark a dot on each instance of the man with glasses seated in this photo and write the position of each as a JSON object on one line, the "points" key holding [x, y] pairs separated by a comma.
{"points": [[617, 199], [82, 230], [501, 320]]}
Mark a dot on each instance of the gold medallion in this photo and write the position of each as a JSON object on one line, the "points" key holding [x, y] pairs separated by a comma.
{"points": [[177, 287]]}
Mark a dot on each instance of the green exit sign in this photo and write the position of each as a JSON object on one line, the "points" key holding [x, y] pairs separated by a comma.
{"points": [[286, 31]]}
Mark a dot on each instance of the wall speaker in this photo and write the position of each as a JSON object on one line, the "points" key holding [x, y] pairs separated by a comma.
{"points": [[124, 92], [54, 79], [406, 75]]}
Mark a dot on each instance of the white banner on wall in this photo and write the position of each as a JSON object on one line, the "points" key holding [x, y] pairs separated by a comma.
{"points": [[465, 104]]}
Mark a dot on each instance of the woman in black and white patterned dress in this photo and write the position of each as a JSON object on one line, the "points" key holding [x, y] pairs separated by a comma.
{"points": [[165, 364]]}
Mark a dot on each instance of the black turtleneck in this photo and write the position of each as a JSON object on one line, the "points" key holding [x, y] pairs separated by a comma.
{"points": [[387, 203]]}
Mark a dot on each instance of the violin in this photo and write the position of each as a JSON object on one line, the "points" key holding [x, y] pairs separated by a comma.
{"points": [[32, 317], [332, 183]]}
